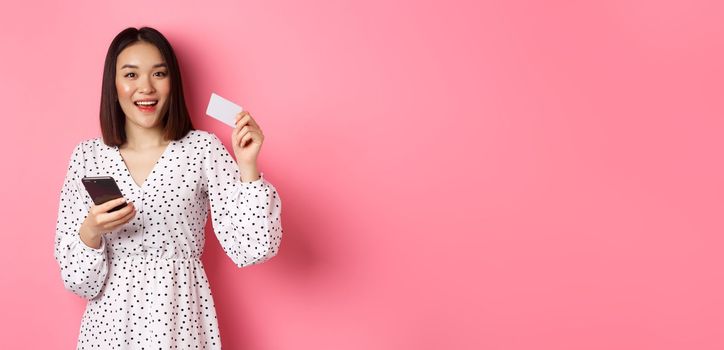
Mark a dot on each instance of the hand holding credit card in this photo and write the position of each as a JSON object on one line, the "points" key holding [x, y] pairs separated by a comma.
{"points": [[223, 110], [246, 138]]}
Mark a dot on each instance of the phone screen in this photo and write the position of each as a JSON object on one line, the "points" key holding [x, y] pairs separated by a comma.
{"points": [[103, 189]]}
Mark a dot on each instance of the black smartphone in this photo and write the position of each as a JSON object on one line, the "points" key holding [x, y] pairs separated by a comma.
{"points": [[103, 189]]}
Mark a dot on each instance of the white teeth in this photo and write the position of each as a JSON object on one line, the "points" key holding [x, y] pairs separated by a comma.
{"points": [[146, 103]]}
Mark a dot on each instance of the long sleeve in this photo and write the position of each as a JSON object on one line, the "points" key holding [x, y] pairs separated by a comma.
{"points": [[246, 216], [82, 268]]}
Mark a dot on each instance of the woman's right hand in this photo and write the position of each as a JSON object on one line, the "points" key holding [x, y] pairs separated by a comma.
{"points": [[99, 220]]}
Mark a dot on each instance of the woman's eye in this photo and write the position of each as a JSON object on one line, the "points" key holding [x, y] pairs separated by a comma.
{"points": [[132, 75]]}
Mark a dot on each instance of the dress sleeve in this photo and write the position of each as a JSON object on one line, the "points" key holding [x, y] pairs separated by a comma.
{"points": [[246, 216], [82, 268]]}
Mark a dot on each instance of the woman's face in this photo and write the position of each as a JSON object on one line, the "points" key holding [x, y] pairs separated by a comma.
{"points": [[142, 75]]}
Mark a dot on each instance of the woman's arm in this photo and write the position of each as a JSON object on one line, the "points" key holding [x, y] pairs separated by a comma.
{"points": [[246, 216], [82, 268]]}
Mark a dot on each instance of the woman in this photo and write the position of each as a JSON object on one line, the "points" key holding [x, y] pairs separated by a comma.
{"points": [[139, 266]]}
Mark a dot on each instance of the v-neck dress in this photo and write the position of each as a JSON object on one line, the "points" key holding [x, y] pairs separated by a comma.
{"points": [[146, 285]]}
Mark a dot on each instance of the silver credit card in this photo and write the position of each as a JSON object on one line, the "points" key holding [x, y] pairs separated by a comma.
{"points": [[223, 110]]}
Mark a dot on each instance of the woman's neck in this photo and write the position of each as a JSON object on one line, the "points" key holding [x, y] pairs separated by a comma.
{"points": [[142, 138]]}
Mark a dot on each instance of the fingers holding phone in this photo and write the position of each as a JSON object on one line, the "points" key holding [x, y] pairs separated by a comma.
{"points": [[112, 220], [109, 212], [101, 219], [104, 219]]}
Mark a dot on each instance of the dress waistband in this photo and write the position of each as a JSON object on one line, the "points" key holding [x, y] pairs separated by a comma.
{"points": [[149, 257]]}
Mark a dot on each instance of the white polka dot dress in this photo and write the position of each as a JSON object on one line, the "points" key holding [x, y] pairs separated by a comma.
{"points": [[145, 285]]}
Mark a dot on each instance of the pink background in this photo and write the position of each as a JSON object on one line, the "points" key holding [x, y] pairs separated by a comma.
{"points": [[455, 174]]}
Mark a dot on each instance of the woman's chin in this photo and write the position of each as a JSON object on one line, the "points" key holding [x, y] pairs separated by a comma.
{"points": [[147, 121]]}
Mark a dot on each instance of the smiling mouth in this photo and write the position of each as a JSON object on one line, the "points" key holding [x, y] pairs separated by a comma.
{"points": [[146, 103], [146, 106]]}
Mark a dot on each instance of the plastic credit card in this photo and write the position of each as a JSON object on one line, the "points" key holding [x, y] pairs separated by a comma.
{"points": [[223, 110]]}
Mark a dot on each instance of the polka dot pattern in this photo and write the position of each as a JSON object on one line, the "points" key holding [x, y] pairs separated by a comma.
{"points": [[146, 286]]}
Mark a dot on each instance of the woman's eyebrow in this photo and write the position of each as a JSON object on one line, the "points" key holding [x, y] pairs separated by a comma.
{"points": [[154, 66]]}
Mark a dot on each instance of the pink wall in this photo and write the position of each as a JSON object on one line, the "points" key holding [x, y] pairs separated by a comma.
{"points": [[455, 174]]}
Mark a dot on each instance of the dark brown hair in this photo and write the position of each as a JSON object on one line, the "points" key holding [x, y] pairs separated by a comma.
{"points": [[176, 122]]}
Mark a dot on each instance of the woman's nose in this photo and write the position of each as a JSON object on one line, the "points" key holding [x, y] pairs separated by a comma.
{"points": [[145, 85]]}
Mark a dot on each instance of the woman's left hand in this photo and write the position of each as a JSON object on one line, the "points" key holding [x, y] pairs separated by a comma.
{"points": [[246, 139]]}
